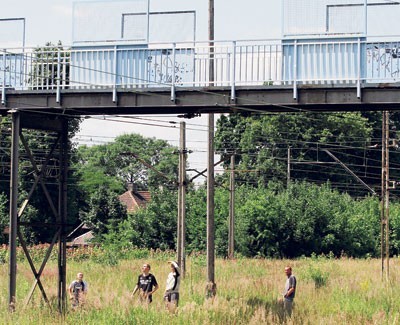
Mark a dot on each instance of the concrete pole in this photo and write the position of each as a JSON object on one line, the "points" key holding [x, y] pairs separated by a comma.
{"points": [[210, 211], [211, 286], [13, 209], [231, 241], [63, 211], [387, 193], [179, 219], [383, 183], [182, 172]]}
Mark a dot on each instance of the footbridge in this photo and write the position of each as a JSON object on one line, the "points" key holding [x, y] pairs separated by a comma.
{"points": [[261, 75], [43, 88]]}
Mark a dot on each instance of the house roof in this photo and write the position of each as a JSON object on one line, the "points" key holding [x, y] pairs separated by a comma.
{"points": [[83, 239], [134, 200]]}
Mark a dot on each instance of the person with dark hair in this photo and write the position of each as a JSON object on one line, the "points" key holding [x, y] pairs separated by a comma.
{"points": [[171, 296], [78, 290], [146, 285]]}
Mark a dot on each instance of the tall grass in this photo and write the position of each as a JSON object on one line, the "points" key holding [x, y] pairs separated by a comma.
{"points": [[247, 292]]}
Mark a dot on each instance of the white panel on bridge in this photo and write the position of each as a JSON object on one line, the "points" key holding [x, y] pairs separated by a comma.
{"points": [[12, 32], [129, 22], [172, 27], [102, 21], [332, 18], [323, 17]]}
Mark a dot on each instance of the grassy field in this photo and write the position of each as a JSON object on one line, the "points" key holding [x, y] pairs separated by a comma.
{"points": [[330, 291]]}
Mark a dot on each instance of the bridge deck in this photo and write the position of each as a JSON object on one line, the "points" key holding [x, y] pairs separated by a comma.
{"points": [[279, 75], [206, 100]]}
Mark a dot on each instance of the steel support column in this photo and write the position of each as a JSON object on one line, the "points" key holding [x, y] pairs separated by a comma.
{"points": [[62, 213], [13, 208], [21, 120]]}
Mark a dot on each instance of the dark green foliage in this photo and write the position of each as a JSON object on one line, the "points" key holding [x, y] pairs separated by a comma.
{"points": [[303, 220], [105, 211], [45, 73], [260, 144], [151, 227], [4, 218], [306, 219], [113, 165]]}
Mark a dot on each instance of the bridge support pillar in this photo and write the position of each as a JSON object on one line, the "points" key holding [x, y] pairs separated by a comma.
{"points": [[57, 202], [13, 208]]}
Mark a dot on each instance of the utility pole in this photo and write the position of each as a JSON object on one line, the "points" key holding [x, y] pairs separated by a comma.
{"points": [[181, 231], [231, 241], [385, 194], [211, 286]]}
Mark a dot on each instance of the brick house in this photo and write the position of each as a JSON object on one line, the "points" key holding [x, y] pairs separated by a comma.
{"points": [[134, 199]]}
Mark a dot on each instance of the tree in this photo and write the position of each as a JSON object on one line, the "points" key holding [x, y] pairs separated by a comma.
{"points": [[105, 211], [50, 66], [114, 164], [261, 144], [151, 227]]}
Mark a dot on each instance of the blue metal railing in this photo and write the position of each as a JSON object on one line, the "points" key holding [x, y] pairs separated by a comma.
{"points": [[350, 61]]}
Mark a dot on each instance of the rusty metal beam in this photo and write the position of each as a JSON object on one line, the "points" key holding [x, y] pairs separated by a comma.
{"points": [[324, 98]]}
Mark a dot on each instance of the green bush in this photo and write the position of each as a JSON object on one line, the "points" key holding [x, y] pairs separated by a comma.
{"points": [[319, 277]]}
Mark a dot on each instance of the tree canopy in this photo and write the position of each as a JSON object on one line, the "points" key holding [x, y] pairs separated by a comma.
{"points": [[114, 164], [261, 142]]}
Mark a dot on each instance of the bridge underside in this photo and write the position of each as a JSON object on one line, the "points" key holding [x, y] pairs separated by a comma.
{"points": [[324, 98]]}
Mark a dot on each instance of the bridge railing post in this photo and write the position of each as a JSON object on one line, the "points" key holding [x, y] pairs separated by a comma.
{"points": [[233, 72], [359, 67], [173, 72], [114, 94], [58, 91], [295, 71]]}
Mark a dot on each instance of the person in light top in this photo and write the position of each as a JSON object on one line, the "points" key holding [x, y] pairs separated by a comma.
{"points": [[171, 296], [78, 290], [289, 292]]}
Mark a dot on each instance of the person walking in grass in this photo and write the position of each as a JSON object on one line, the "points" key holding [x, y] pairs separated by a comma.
{"points": [[77, 291], [290, 292], [171, 296], [146, 285]]}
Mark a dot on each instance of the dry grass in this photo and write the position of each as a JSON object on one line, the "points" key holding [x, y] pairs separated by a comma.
{"points": [[247, 292]]}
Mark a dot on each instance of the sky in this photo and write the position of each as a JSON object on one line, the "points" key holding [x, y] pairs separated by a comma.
{"points": [[52, 20]]}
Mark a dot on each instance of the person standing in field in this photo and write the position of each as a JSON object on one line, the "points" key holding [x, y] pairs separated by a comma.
{"points": [[146, 285], [78, 290], [290, 291], [171, 296]]}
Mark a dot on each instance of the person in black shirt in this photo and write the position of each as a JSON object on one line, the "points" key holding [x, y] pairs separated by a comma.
{"points": [[146, 285]]}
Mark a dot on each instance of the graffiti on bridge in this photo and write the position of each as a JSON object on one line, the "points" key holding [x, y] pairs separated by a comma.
{"points": [[383, 61], [163, 70]]}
